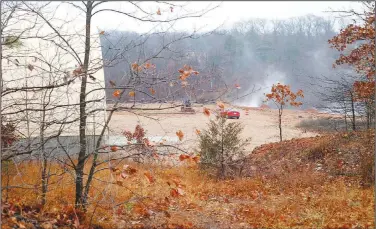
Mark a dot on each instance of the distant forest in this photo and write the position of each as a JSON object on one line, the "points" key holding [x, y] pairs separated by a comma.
{"points": [[253, 54]]}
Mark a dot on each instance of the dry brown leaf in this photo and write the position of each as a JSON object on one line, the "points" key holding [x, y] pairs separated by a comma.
{"points": [[180, 135], [152, 91], [149, 177], [30, 67], [116, 93], [206, 111]]}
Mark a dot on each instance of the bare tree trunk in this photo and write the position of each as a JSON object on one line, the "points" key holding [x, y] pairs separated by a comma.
{"points": [[353, 112], [44, 162], [44, 179], [80, 202], [369, 117], [345, 115], [280, 122], [369, 113], [1, 117]]}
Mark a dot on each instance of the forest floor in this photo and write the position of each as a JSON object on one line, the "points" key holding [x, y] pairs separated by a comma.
{"points": [[310, 182]]}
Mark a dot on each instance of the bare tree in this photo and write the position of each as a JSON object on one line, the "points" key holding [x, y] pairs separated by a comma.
{"points": [[338, 95], [87, 67]]}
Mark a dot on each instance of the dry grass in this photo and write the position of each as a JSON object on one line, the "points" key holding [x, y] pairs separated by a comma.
{"points": [[329, 125], [300, 199]]}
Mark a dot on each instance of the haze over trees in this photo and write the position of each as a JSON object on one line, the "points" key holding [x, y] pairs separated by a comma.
{"points": [[255, 52]]}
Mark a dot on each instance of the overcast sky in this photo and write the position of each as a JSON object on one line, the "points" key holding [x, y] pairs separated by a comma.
{"points": [[228, 12]]}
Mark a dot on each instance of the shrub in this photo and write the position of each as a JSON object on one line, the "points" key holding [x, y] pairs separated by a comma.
{"points": [[317, 152], [221, 147]]}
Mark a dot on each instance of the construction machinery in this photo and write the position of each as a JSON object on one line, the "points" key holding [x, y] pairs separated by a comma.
{"points": [[187, 107]]}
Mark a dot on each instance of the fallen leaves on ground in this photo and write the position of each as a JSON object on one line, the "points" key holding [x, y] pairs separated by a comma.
{"points": [[183, 197]]}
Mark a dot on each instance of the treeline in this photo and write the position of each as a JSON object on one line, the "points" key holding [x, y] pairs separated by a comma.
{"points": [[254, 54]]}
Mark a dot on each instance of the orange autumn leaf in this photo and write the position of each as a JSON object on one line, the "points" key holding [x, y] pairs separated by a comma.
{"points": [[114, 148], [147, 65], [152, 91], [182, 157], [206, 111], [101, 33], [131, 93], [198, 132], [180, 134], [186, 71], [129, 170], [149, 177], [134, 66], [196, 159], [221, 105], [116, 93], [174, 192], [282, 95]]}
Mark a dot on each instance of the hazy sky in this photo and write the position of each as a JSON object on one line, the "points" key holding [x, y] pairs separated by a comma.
{"points": [[228, 12]]}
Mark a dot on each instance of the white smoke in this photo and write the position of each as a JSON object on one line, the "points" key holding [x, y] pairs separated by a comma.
{"points": [[271, 76]]}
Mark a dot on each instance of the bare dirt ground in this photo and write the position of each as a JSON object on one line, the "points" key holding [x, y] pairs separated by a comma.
{"points": [[261, 124]]}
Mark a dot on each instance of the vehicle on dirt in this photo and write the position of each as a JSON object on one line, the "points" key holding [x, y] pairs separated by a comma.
{"points": [[187, 107], [230, 113]]}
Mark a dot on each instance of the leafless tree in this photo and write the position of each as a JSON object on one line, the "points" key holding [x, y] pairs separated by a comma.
{"points": [[80, 48]]}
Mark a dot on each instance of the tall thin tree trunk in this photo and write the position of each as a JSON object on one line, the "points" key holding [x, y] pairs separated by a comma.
{"points": [[1, 117], [80, 202], [44, 161], [280, 123], [8, 179], [44, 176], [353, 112], [369, 115]]}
